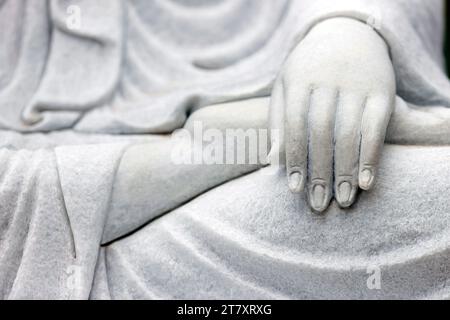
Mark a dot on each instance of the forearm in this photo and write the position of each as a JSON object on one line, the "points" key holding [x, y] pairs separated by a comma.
{"points": [[151, 180], [411, 125]]}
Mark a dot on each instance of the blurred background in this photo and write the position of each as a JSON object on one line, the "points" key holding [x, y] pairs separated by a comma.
{"points": [[447, 35]]}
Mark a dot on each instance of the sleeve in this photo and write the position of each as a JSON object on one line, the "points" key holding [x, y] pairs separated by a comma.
{"points": [[413, 31], [63, 58]]}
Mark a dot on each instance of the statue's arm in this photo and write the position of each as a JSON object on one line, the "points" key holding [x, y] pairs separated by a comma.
{"points": [[148, 184], [150, 180], [414, 125]]}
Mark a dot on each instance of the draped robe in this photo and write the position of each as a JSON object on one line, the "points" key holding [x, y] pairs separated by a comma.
{"points": [[142, 67]]}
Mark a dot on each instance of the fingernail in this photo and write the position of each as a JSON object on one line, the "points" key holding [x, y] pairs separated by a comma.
{"points": [[318, 197], [31, 118], [295, 182], [365, 178], [344, 193]]}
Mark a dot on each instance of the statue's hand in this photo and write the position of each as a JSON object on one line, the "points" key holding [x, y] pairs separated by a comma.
{"points": [[337, 92]]}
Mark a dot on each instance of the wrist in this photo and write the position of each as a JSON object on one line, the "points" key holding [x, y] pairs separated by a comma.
{"points": [[347, 30]]}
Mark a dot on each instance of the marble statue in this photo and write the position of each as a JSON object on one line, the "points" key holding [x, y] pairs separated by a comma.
{"points": [[354, 99]]}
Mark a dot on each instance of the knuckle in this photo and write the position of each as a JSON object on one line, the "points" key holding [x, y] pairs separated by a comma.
{"points": [[347, 133], [371, 130]]}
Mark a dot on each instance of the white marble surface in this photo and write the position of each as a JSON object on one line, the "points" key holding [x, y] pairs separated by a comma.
{"points": [[79, 205], [252, 238]]}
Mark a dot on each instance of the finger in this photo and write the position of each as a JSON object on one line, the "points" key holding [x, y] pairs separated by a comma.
{"points": [[346, 152], [276, 116], [296, 136], [320, 148], [375, 120]]}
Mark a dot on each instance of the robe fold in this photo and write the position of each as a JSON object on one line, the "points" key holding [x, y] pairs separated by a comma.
{"points": [[142, 67]]}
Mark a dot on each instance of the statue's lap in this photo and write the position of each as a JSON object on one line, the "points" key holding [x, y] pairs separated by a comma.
{"points": [[252, 238]]}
